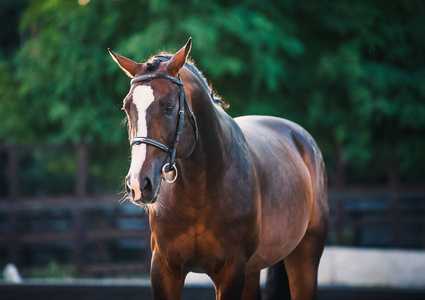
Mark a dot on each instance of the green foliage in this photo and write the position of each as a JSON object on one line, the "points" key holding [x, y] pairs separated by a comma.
{"points": [[370, 81], [351, 72], [61, 77]]}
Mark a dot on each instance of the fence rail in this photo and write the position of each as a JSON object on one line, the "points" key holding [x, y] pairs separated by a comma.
{"points": [[100, 235]]}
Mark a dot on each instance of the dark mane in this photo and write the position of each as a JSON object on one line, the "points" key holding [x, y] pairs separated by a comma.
{"points": [[157, 59]]}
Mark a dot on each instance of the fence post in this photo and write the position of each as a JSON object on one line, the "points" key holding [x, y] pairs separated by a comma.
{"points": [[13, 197]]}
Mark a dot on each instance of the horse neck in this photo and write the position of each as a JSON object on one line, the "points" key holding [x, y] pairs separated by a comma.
{"points": [[213, 151]]}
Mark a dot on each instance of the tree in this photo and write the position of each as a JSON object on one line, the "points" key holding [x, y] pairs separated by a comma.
{"points": [[63, 79], [367, 90], [350, 72]]}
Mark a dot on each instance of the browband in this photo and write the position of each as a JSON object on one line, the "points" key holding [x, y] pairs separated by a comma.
{"points": [[149, 77]]}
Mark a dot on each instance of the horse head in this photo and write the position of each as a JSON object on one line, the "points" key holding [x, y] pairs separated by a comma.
{"points": [[158, 132]]}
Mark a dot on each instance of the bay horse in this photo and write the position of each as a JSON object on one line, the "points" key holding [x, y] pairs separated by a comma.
{"points": [[226, 197]]}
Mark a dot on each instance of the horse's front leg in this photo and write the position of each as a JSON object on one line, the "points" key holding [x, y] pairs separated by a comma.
{"points": [[229, 282], [251, 290], [166, 282]]}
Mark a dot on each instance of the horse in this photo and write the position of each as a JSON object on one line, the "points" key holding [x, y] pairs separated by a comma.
{"points": [[225, 197]]}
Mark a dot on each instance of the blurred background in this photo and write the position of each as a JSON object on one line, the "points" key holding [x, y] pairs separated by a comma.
{"points": [[351, 72]]}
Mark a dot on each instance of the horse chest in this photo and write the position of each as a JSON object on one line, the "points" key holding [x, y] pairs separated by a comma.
{"points": [[196, 247]]}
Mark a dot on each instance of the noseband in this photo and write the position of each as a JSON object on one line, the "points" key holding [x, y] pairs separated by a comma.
{"points": [[168, 167]]}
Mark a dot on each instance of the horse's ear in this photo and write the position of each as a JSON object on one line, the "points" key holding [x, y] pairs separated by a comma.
{"points": [[178, 60], [129, 67]]}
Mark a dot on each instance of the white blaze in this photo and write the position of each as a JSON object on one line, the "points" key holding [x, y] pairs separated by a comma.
{"points": [[142, 99]]}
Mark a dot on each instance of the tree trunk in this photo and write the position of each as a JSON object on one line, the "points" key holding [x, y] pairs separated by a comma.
{"points": [[81, 175], [339, 184], [13, 170], [13, 195], [340, 168], [394, 185], [81, 170]]}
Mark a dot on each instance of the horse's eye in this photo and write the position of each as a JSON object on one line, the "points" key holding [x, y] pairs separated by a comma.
{"points": [[169, 107]]}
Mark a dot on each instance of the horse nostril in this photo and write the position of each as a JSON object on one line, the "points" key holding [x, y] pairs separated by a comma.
{"points": [[147, 186]]}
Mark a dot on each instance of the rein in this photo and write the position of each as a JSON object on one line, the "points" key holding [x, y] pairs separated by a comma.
{"points": [[171, 165]]}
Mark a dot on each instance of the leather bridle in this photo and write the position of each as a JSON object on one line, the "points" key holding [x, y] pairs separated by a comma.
{"points": [[171, 165]]}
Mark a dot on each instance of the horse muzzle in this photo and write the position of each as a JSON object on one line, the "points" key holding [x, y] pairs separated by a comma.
{"points": [[143, 191]]}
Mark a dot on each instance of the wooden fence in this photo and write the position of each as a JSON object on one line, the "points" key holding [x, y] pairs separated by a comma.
{"points": [[100, 236], [93, 231], [83, 231], [378, 217]]}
